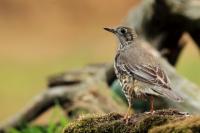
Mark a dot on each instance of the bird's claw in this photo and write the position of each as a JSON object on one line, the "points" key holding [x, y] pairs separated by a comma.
{"points": [[126, 119], [150, 112]]}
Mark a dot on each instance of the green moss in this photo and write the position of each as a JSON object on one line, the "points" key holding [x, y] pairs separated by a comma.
{"points": [[114, 122], [188, 125], [94, 123]]}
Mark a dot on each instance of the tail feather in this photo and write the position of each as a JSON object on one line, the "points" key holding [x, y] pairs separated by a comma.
{"points": [[170, 94]]}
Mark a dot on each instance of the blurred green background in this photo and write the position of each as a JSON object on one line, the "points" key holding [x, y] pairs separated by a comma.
{"points": [[40, 38]]}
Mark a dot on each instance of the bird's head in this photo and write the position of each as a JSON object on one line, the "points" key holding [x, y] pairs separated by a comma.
{"points": [[125, 35]]}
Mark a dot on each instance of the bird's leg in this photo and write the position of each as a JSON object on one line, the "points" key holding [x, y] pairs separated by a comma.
{"points": [[151, 104], [127, 115]]}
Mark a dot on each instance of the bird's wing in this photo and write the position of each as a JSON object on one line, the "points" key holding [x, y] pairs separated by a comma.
{"points": [[153, 75], [149, 74]]}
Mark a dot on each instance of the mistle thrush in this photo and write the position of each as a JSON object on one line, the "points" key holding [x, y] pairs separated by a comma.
{"points": [[138, 71]]}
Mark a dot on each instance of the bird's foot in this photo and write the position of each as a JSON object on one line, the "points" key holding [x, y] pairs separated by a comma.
{"points": [[150, 112], [126, 118], [128, 114]]}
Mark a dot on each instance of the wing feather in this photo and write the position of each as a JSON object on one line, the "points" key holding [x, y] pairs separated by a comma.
{"points": [[153, 75], [149, 74]]}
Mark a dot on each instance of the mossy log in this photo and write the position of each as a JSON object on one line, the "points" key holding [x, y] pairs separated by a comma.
{"points": [[189, 125], [143, 122]]}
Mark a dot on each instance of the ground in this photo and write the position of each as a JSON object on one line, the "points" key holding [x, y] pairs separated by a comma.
{"points": [[161, 121]]}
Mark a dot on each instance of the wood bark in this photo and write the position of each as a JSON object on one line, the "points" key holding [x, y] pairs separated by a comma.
{"points": [[163, 22], [79, 91]]}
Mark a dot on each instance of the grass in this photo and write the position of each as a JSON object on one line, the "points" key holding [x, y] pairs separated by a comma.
{"points": [[51, 127]]}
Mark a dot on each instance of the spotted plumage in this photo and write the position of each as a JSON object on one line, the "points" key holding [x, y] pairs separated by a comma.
{"points": [[138, 71]]}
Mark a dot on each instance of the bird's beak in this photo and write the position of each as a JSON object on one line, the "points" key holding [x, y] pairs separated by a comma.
{"points": [[110, 30]]}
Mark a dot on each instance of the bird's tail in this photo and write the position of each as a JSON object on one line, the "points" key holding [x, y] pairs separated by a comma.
{"points": [[169, 93]]}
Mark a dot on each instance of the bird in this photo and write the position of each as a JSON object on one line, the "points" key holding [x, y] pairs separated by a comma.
{"points": [[139, 72]]}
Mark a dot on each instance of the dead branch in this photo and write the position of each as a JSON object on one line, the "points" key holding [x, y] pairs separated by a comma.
{"points": [[163, 22], [90, 94]]}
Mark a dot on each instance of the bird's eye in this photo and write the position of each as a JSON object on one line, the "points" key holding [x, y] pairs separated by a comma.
{"points": [[123, 30]]}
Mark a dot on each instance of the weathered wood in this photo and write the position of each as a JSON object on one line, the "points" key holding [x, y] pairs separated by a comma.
{"points": [[163, 22], [89, 95]]}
